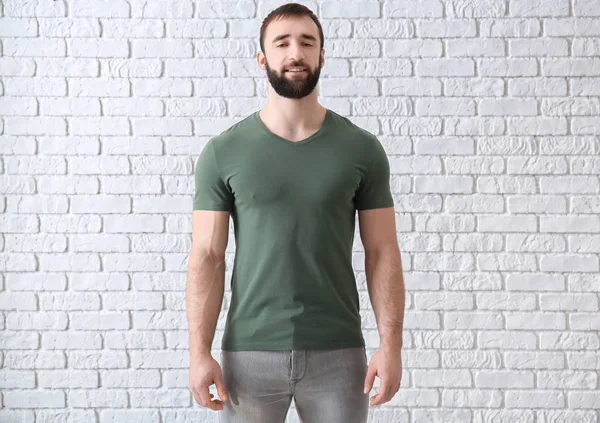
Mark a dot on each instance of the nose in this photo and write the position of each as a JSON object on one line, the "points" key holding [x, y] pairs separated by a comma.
{"points": [[296, 54]]}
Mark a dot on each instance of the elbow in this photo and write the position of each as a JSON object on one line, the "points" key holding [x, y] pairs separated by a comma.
{"points": [[202, 256], [391, 249], [213, 256]]}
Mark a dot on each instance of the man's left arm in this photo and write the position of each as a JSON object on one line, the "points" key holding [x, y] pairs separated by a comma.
{"points": [[385, 285]]}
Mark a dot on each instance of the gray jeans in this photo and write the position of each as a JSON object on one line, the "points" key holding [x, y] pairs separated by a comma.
{"points": [[326, 385]]}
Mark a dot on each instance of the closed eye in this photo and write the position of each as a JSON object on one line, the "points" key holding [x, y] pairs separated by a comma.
{"points": [[304, 44]]}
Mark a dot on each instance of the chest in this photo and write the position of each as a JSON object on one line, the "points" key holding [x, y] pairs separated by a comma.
{"points": [[295, 178]]}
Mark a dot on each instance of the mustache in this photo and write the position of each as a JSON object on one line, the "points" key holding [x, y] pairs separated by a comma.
{"points": [[296, 66]]}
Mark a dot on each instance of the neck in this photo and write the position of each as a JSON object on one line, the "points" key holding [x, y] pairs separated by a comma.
{"points": [[291, 113]]}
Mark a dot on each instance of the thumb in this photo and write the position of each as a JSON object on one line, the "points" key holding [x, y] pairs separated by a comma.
{"points": [[221, 389], [370, 379]]}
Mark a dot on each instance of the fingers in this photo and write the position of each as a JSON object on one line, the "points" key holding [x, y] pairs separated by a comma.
{"points": [[386, 393], [204, 398], [381, 396], [196, 397], [221, 389], [369, 379]]}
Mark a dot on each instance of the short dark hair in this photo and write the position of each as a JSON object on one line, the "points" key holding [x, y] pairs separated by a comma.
{"points": [[288, 9]]}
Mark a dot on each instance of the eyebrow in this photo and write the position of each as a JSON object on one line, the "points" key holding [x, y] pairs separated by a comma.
{"points": [[303, 36]]}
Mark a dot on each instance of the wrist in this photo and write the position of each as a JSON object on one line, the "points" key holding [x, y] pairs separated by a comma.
{"points": [[391, 346], [199, 354]]}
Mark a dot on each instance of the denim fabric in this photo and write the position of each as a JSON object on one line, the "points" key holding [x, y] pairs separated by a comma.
{"points": [[326, 385]]}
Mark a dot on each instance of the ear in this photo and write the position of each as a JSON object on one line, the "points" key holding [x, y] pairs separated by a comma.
{"points": [[260, 58]]}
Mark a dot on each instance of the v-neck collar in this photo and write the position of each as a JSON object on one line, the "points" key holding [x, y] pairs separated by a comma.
{"points": [[262, 125]]}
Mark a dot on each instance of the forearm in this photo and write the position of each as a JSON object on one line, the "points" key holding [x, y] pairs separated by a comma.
{"points": [[386, 289], [204, 297]]}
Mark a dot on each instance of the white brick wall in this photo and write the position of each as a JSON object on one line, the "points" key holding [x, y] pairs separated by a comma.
{"points": [[490, 114]]}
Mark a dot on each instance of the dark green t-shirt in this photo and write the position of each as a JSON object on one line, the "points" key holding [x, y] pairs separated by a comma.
{"points": [[293, 206]]}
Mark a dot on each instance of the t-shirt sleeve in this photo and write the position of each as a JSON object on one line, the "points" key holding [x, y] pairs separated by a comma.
{"points": [[211, 192], [374, 189]]}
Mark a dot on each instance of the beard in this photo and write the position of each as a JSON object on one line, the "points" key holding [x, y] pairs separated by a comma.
{"points": [[294, 87]]}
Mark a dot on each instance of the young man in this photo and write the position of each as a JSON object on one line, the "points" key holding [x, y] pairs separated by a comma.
{"points": [[292, 176]]}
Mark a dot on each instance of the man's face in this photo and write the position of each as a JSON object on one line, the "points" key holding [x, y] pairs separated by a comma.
{"points": [[293, 51]]}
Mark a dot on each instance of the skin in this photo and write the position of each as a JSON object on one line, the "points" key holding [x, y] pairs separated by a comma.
{"points": [[385, 284], [204, 296], [293, 113]]}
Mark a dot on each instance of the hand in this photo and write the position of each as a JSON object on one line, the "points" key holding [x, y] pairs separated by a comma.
{"points": [[204, 371], [387, 364]]}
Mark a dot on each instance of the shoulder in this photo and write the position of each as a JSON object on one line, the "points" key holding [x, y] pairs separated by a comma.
{"points": [[230, 136], [362, 140]]}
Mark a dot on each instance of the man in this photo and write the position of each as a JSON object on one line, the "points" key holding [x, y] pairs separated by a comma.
{"points": [[292, 177]]}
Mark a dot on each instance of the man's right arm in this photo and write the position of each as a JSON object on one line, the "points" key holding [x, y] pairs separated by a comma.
{"points": [[206, 278]]}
